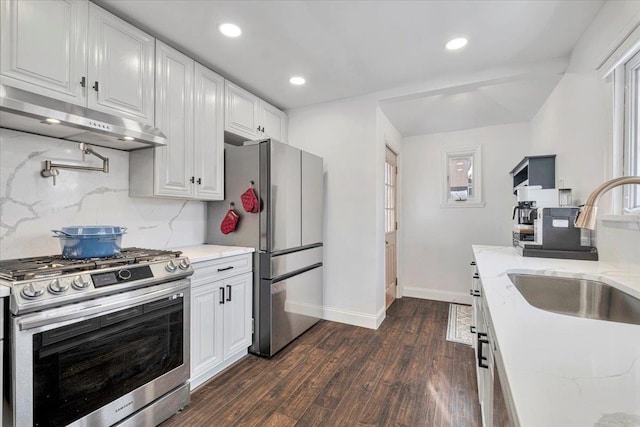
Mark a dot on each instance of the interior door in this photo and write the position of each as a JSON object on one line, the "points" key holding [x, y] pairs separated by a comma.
{"points": [[390, 225]]}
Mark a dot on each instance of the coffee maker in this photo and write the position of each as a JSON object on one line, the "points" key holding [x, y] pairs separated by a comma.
{"points": [[556, 236], [523, 229], [529, 200]]}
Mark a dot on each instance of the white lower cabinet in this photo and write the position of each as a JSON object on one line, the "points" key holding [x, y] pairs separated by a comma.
{"points": [[494, 408], [221, 317]]}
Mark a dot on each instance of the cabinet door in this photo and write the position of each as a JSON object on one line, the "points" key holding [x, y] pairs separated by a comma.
{"points": [[121, 62], [44, 47], [237, 313], [241, 112], [274, 122], [206, 327], [174, 105], [209, 134]]}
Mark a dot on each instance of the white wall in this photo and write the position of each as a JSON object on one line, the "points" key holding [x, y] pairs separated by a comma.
{"points": [[343, 133], [437, 241], [30, 206], [573, 124], [576, 122]]}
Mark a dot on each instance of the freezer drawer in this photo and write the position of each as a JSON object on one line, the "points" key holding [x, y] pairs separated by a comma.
{"points": [[279, 265], [296, 305]]}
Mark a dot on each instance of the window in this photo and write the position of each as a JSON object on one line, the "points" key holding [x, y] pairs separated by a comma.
{"points": [[622, 67], [390, 179], [461, 177], [631, 152]]}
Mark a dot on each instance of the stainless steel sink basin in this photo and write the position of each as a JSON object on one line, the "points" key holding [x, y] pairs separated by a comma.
{"points": [[578, 297]]}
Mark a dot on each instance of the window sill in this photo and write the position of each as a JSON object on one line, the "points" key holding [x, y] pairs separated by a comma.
{"points": [[462, 205], [620, 218]]}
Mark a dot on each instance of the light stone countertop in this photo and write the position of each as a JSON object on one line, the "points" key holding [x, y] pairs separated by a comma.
{"points": [[200, 253], [4, 291], [563, 370]]}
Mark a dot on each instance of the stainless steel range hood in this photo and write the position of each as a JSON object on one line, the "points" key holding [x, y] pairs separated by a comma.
{"points": [[28, 112]]}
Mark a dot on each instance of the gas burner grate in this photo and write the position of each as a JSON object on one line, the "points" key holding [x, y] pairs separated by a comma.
{"points": [[50, 266]]}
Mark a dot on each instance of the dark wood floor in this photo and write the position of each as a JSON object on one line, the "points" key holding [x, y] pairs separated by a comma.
{"points": [[403, 374]]}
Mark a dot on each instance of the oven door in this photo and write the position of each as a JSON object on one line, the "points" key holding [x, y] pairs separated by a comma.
{"points": [[97, 362]]}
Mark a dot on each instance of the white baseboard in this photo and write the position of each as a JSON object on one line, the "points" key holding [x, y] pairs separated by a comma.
{"points": [[353, 317], [437, 295]]}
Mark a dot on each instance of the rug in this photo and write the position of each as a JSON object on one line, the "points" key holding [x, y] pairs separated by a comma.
{"points": [[459, 322]]}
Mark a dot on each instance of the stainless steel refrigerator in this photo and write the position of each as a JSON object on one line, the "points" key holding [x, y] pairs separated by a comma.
{"points": [[286, 233]]}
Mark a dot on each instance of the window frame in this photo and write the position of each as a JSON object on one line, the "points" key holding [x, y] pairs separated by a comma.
{"points": [[631, 149], [613, 69], [475, 152]]}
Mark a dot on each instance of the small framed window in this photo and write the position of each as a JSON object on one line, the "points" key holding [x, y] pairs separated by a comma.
{"points": [[461, 178], [631, 152]]}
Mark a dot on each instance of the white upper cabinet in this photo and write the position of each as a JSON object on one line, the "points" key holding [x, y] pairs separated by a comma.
{"points": [[189, 111], [76, 52], [174, 106], [274, 122], [251, 118], [208, 162], [44, 47], [121, 60], [241, 112]]}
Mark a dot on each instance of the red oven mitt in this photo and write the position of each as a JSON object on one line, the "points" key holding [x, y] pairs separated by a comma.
{"points": [[229, 222], [250, 201]]}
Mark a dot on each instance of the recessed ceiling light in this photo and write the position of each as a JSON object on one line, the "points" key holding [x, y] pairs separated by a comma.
{"points": [[230, 30], [128, 138], [457, 43], [52, 121], [297, 80]]}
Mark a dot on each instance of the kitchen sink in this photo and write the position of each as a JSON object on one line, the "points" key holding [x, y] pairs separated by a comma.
{"points": [[578, 297]]}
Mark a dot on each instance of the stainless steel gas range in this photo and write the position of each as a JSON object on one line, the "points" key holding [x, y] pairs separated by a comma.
{"points": [[97, 342]]}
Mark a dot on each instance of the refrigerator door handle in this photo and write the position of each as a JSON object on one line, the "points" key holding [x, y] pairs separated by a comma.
{"points": [[296, 272]]}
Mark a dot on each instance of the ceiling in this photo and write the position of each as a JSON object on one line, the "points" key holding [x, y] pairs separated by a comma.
{"points": [[459, 108], [349, 48]]}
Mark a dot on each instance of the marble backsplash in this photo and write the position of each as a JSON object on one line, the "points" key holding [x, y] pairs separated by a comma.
{"points": [[30, 206]]}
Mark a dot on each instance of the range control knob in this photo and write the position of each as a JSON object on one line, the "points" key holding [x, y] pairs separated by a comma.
{"points": [[171, 266], [80, 283], [184, 264], [55, 287], [124, 274], [32, 291]]}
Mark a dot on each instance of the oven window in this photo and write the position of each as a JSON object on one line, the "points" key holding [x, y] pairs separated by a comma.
{"points": [[83, 366]]}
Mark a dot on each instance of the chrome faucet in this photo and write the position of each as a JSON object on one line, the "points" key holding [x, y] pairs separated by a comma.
{"points": [[586, 217]]}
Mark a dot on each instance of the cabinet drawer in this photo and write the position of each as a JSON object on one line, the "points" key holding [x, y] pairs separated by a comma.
{"points": [[218, 269]]}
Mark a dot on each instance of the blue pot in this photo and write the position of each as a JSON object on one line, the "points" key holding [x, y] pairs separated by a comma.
{"points": [[82, 242]]}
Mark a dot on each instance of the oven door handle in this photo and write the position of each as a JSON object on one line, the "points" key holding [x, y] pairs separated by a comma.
{"points": [[84, 310]]}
